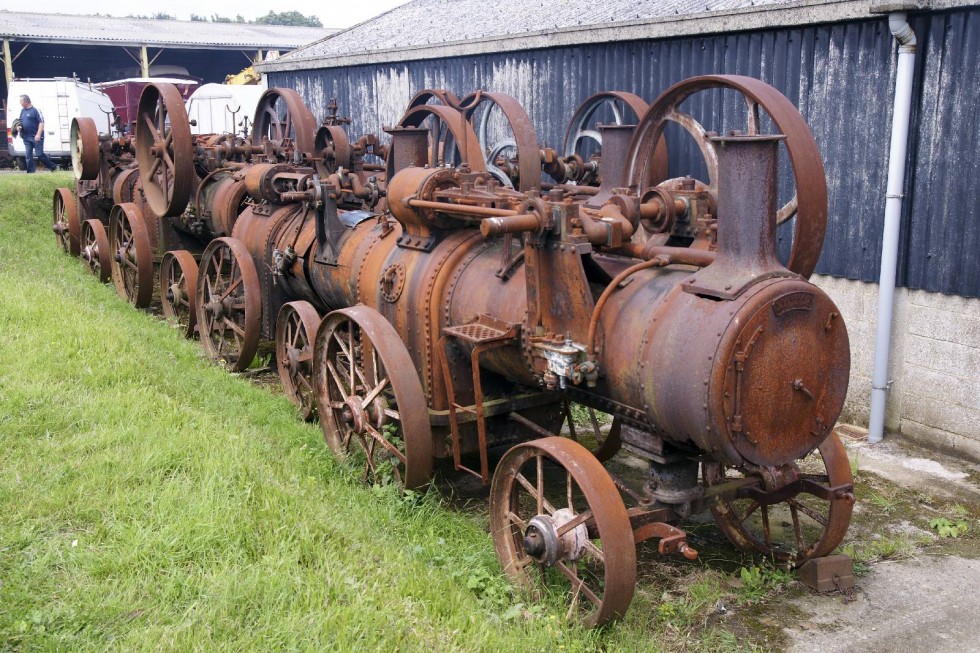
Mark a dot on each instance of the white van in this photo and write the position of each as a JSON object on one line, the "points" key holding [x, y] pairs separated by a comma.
{"points": [[222, 108], [59, 99]]}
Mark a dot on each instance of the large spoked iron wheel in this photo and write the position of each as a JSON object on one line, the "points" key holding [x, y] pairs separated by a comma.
{"points": [[559, 524], [229, 303], [583, 138], [798, 529], [178, 289], [132, 255], [296, 328], [164, 149], [67, 227], [370, 400], [281, 118], [506, 136], [809, 203], [95, 250]]}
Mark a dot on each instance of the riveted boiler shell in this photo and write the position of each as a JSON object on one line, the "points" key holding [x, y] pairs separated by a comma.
{"points": [[761, 378]]}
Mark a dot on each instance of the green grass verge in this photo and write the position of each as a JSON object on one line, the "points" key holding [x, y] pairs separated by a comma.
{"points": [[151, 501]]}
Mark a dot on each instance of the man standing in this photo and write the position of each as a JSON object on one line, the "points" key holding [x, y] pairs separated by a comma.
{"points": [[32, 131]]}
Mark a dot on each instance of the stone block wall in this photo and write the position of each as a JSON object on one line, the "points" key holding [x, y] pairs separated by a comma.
{"points": [[934, 367]]}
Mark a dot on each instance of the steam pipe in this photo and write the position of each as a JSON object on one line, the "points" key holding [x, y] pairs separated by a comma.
{"points": [[900, 29], [462, 209], [656, 256]]}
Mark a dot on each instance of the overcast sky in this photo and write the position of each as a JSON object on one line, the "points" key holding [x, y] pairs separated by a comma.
{"points": [[331, 14]]}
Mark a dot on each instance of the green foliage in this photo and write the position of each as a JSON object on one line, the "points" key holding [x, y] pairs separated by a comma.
{"points": [[883, 503], [288, 18], [759, 582], [897, 546], [950, 528], [150, 500], [959, 510], [155, 16], [294, 18], [690, 609]]}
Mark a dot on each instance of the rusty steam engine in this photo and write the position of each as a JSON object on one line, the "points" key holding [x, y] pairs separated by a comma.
{"points": [[446, 295]]}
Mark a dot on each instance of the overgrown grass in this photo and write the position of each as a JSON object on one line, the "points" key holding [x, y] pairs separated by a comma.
{"points": [[151, 501]]}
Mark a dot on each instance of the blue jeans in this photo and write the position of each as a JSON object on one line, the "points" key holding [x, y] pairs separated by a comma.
{"points": [[34, 149]]}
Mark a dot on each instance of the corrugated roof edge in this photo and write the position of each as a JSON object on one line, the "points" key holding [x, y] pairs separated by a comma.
{"points": [[805, 12], [284, 35]]}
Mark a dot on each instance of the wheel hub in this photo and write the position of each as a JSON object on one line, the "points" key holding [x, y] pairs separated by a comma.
{"points": [[220, 308], [174, 294], [88, 254], [292, 360], [60, 228], [776, 478], [353, 415], [542, 542]]}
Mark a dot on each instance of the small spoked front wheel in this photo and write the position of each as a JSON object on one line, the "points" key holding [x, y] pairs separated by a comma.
{"points": [[799, 528], [370, 400], [178, 287], [296, 328], [67, 227], [95, 249], [132, 254], [229, 303], [559, 523]]}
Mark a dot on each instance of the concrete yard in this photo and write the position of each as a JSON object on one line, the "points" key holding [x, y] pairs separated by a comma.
{"points": [[923, 604], [926, 599]]}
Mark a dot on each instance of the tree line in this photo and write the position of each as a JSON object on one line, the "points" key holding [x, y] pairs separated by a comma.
{"points": [[293, 18]]}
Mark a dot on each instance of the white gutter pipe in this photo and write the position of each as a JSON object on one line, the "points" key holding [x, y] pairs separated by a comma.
{"points": [[900, 29]]}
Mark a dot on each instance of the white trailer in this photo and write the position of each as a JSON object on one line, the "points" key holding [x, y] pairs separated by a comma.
{"points": [[223, 108]]}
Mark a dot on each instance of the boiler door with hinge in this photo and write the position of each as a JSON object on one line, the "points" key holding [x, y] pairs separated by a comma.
{"points": [[786, 377], [392, 282]]}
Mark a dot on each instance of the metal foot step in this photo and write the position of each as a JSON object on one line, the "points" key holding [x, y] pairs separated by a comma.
{"points": [[485, 329]]}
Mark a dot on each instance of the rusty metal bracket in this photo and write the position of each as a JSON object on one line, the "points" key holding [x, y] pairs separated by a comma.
{"points": [[801, 485], [508, 261], [672, 539]]}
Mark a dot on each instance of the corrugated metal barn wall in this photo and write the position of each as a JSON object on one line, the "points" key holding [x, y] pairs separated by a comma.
{"points": [[841, 76]]}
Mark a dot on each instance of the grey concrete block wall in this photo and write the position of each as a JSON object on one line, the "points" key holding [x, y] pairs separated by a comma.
{"points": [[934, 365]]}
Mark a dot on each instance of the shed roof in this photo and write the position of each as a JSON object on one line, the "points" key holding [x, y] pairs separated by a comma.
{"points": [[103, 30], [427, 29]]}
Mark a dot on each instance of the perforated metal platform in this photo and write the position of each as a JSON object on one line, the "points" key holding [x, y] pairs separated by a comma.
{"points": [[482, 331]]}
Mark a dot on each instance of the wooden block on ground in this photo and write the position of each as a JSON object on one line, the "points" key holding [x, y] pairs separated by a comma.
{"points": [[828, 574]]}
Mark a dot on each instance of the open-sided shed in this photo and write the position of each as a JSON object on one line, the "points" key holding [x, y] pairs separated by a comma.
{"points": [[100, 48]]}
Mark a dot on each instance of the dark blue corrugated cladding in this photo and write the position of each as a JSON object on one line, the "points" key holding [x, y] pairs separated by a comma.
{"points": [[942, 238], [841, 76]]}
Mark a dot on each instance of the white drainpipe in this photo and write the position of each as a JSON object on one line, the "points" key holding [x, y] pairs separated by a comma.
{"points": [[893, 213]]}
